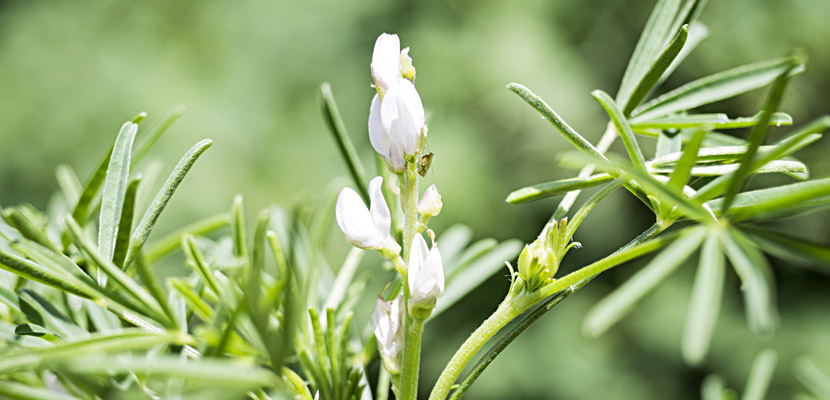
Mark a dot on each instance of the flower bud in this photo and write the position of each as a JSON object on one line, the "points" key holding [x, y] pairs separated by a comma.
{"points": [[425, 278], [387, 323], [430, 204], [365, 228], [539, 261], [396, 115]]}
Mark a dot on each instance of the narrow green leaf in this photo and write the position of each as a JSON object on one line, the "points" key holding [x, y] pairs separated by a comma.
{"points": [[38, 273], [754, 202], [470, 254], [114, 190], [649, 184], [42, 312], [169, 243], [683, 169], [621, 123], [705, 302], [453, 240], [148, 221], [84, 206], [194, 302], [69, 184], [717, 87], [16, 218], [792, 143], [212, 373], [657, 32], [713, 388], [551, 116], [126, 283], [795, 169], [35, 330], [10, 299], [667, 145], [129, 339], [757, 280], [155, 288], [151, 138], [14, 390], [757, 136], [125, 225], [562, 186], [469, 276], [197, 261], [714, 121], [616, 305], [656, 70], [817, 379], [791, 248], [344, 143], [760, 375], [240, 243], [697, 33], [344, 277]]}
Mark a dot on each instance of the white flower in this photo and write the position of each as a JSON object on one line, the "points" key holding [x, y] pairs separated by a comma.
{"points": [[430, 204], [387, 322], [396, 115], [425, 278], [366, 228]]}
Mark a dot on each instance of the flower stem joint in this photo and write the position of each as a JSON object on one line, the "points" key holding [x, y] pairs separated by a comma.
{"points": [[540, 260]]}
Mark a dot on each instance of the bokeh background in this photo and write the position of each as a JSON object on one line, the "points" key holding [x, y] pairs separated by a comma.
{"points": [[249, 72]]}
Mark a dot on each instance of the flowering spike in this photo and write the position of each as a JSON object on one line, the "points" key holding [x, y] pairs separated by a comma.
{"points": [[366, 228], [387, 323], [425, 278]]}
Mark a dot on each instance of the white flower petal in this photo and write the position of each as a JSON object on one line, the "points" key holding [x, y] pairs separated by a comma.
{"points": [[417, 257], [377, 135], [379, 209], [430, 203], [402, 116], [386, 61], [355, 220]]}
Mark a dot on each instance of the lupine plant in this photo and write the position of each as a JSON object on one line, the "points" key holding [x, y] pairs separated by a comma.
{"points": [[94, 305]]}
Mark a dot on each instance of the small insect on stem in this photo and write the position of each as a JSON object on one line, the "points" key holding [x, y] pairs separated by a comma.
{"points": [[424, 163]]}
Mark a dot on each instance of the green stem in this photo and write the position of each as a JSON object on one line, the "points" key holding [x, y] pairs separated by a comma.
{"points": [[413, 329], [515, 306], [506, 312]]}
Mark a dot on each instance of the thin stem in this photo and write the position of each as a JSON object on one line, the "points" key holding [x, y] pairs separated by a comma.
{"points": [[413, 329]]}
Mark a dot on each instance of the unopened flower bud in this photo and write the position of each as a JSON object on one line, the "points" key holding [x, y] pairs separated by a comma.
{"points": [[387, 323], [364, 228], [539, 261], [425, 278], [430, 204]]}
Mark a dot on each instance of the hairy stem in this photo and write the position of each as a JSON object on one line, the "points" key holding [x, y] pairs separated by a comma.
{"points": [[413, 329]]}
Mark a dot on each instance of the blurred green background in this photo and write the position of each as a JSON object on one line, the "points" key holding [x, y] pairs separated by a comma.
{"points": [[249, 71]]}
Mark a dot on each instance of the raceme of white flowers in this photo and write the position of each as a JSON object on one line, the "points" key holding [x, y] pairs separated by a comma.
{"points": [[396, 116], [365, 228], [397, 132], [387, 323], [426, 278]]}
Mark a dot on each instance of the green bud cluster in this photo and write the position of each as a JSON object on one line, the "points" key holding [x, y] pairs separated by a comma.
{"points": [[540, 260]]}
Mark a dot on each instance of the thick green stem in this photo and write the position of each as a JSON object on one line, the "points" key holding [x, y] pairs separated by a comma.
{"points": [[506, 312], [413, 329], [411, 358]]}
